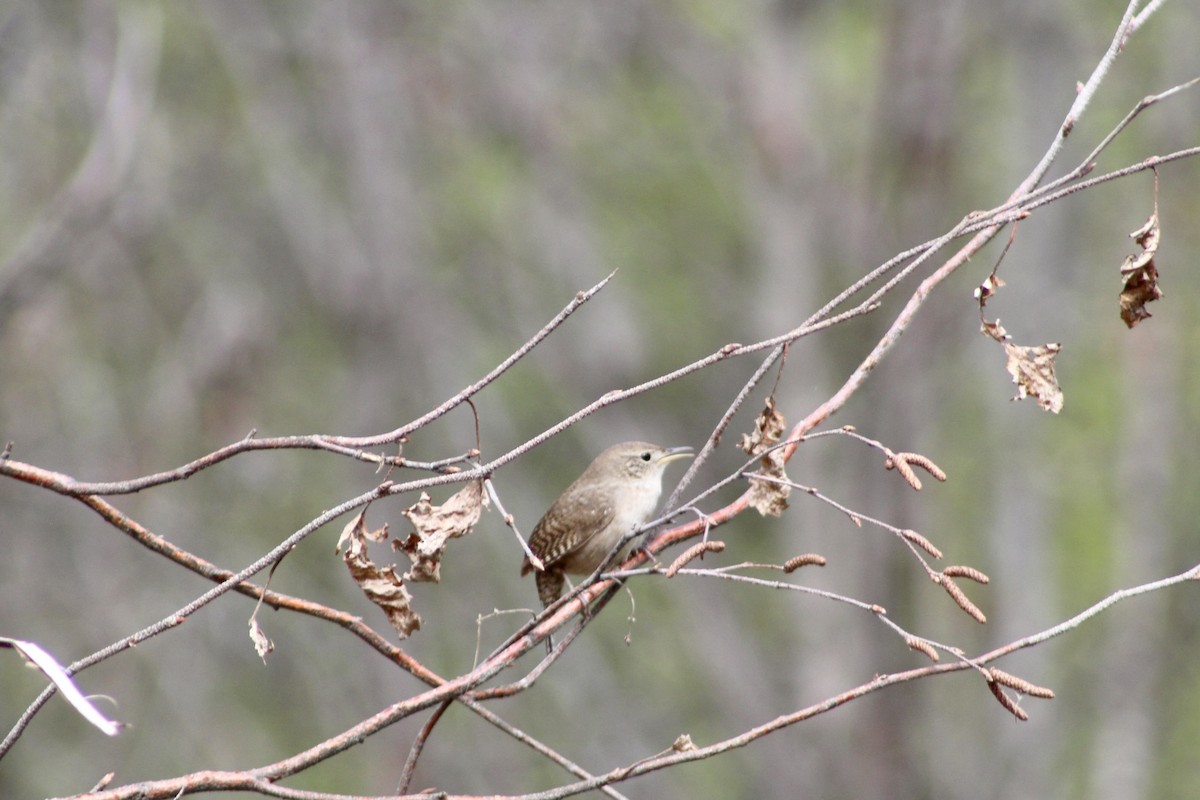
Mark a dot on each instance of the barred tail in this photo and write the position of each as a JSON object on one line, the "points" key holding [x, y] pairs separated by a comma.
{"points": [[549, 585]]}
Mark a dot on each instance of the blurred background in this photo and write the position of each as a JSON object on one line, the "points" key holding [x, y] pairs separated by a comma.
{"points": [[302, 217]]}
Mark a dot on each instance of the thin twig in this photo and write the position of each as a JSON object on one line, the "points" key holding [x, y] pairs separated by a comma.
{"points": [[878, 683], [420, 422], [410, 764], [577, 601], [714, 438], [177, 618], [511, 524], [535, 745], [344, 445]]}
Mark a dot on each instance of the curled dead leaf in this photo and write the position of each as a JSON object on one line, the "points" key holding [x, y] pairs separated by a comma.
{"points": [[434, 526], [991, 284], [1032, 370], [1148, 235], [994, 329], [1140, 274], [381, 585], [768, 430], [769, 498]]}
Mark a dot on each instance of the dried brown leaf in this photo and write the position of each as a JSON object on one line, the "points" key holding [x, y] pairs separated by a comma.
{"points": [[1032, 370], [1148, 235], [381, 585], [768, 430], [1140, 288], [991, 284], [355, 527], [434, 526], [768, 497], [1140, 274], [995, 330]]}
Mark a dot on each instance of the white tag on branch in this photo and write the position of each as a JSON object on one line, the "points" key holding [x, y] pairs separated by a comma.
{"points": [[59, 677]]}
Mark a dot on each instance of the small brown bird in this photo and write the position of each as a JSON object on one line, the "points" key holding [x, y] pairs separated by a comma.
{"points": [[616, 493]]}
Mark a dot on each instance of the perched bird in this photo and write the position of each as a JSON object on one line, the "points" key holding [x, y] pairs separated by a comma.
{"points": [[616, 493]]}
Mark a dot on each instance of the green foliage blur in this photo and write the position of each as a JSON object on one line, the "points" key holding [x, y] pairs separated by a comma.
{"points": [[306, 217]]}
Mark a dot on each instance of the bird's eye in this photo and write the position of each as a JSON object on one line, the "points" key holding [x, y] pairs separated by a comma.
{"points": [[646, 456]]}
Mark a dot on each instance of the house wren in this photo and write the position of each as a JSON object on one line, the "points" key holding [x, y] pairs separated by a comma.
{"points": [[616, 493]]}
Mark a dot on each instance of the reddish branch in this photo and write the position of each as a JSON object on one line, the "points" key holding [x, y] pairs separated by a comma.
{"points": [[595, 592]]}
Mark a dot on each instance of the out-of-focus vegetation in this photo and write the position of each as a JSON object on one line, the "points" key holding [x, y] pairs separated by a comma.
{"points": [[305, 217]]}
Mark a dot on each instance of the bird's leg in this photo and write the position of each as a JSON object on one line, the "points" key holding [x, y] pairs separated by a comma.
{"points": [[585, 612]]}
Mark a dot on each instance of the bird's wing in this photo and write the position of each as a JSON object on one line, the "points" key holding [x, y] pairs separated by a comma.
{"points": [[568, 525]]}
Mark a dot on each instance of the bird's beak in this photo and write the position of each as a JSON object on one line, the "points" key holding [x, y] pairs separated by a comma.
{"points": [[674, 454]]}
